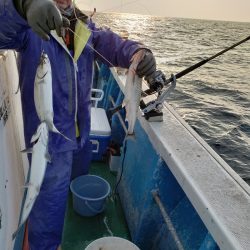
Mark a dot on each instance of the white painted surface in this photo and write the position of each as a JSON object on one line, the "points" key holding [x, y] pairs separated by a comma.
{"points": [[99, 122], [220, 196], [11, 142]]}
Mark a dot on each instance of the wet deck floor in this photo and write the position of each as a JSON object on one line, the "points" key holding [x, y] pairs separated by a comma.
{"points": [[80, 231]]}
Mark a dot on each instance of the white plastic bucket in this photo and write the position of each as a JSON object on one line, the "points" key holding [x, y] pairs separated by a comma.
{"points": [[111, 243]]}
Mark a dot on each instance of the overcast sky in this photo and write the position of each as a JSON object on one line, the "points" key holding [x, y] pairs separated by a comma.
{"points": [[231, 10]]}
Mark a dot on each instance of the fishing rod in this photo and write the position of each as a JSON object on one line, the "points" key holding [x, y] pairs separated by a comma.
{"points": [[197, 65], [159, 81], [152, 110]]}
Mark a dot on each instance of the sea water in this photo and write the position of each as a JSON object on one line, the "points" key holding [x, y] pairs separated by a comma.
{"points": [[214, 99]]}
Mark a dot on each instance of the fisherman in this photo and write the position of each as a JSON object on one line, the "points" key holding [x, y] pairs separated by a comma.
{"points": [[26, 25]]}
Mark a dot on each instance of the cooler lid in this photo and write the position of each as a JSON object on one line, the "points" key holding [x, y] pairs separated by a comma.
{"points": [[99, 122]]}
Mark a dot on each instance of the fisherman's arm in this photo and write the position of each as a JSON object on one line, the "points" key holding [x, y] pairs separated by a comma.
{"points": [[119, 52], [42, 16], [12, 26], [17, 16]]}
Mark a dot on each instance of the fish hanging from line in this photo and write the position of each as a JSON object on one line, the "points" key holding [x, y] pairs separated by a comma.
{"points": [[133, 91], [39, 160], [43, 98], [43, 93]]}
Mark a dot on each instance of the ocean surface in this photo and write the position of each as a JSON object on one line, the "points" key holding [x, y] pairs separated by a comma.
{"points": [[214, 99]]}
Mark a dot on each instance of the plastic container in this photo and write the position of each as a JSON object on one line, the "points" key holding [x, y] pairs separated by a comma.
{"points": [[100, 133], [89, 194], [111, 243]]}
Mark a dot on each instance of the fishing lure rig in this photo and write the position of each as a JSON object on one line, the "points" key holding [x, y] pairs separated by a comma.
{"points": [[158, 84]]}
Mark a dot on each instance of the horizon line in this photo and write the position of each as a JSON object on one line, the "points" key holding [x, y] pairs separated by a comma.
{"points": [[161, 16]]}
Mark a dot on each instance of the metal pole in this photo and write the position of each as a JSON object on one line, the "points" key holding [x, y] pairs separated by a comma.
{"points": [[167, 220]]}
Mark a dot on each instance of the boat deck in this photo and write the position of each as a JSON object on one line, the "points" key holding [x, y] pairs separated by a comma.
{"points": [[80, 231]]}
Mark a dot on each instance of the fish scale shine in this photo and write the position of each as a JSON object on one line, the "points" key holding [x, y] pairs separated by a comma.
{"points": [[37, 169], [43, 99], [43, 91], [133, 91]]}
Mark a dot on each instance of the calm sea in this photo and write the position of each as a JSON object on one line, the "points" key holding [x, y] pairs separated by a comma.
{"points": [[214, 99]]}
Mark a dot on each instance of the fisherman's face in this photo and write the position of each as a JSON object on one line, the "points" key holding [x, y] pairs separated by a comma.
{"points": [[63, 4]]}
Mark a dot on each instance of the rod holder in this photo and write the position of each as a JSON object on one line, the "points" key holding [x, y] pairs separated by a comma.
{"points": [[119, 116]]}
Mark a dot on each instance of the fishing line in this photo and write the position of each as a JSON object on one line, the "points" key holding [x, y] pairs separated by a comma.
{"points": [[102, 56], [94, 31], [199, 64], [143, 92], [118, 6], [147, 10], [121, 5], [78, 18], [124, 4]]}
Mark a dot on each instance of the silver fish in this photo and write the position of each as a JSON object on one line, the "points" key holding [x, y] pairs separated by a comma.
{"points": [[44, 107], [133, 92], [43, 93], [37, 169]]}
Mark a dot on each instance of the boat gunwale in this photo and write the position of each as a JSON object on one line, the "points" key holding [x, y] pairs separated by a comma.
{"points": [[212, 210]]}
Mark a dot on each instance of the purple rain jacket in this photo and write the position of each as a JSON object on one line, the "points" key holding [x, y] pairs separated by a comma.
{"points": [[16, 34], [71, 81]]}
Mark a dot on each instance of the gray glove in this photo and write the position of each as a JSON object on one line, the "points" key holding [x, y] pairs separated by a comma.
{"points": [[42, 16], [147, 65]]}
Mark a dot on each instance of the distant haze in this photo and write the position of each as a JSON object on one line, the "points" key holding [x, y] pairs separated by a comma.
{"points": [[230, 10]]}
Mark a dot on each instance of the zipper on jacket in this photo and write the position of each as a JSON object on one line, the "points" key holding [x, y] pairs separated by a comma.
{"points": [[70, 83], [61, 42]]}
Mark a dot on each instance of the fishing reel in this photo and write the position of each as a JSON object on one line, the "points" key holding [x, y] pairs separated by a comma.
{"points": [[158, 84]]}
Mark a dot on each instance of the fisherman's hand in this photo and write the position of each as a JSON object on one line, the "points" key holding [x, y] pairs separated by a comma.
{"points": [[42, 16], [147, 66]]}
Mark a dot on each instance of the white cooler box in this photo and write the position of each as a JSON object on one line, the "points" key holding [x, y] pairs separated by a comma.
{"points": [[100, 132]]}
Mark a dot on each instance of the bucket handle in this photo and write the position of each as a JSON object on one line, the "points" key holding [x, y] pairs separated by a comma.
{"points": [[93, 209]]}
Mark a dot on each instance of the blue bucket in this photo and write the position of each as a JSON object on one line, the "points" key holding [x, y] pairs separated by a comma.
{"points": [[89, 194]]}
